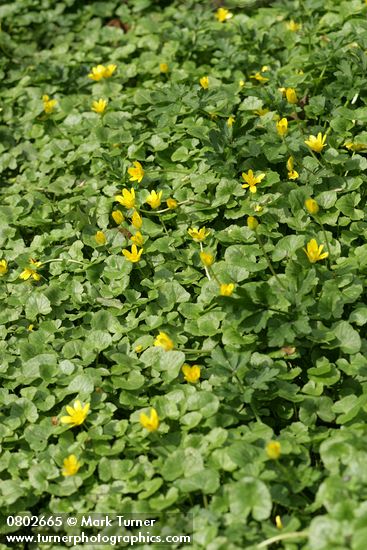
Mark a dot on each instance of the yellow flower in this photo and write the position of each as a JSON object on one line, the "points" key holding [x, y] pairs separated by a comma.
{"points": [[48, 104], [136, 220], [138, 239], [3, 267], [97, 73], [278, 522], [191, 374], [70, 466], [259, 77], [355, 146], [252, 223], [154, 199], [282, 126], [100, 238], [251, 180], [164, 341], [136, 172], [292, 174], [117, 216], [230, 121], [223, 15], [241, 83], [316, 143], [127, 198], [273, 450], [29, 272], [311, 206], [77, 414], [99, 106], [138, 349], [314, 251], [258, 208], [134, 255], [290, 94], [204, 82], [151, 422], [163, 67], [198, 234], [109, 70], [100, 71], [206, 258], [226, 289], [172, 203], [293, 26]]}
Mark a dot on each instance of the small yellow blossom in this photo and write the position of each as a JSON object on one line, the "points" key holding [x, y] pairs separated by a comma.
{"points": [[191, 374], [172, 203], [273, 450], [355, 146], [230, 121], [70, 466], [136, 172], [138, 349], [251, 180], [282, 126], [109, 70], [118, 216], [265, 68], [258, 208], [222, 14], [259, 77], [226, 289], [163, 67], [99, 106], [48, 104], [164, 341], [293, 26], [77, 414], [100, 71], [100, 238], [206, 258], [154, 199], [30, 328], [198, 234], [278, 522], [316, 143], [252, 223], [241, 83], [138, 239], [127, 198], [29, 272], [3, 267], [311, 206], [314, 251], [134, 255], [292, 174], [290, 94], [204, 82], [97, 73], [151, 422], [136, 220]]}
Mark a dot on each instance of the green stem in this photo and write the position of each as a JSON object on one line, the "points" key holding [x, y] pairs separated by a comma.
{"points": [[270, 266], [62, 260], [206, 269], [285, 536], [326, 241]]}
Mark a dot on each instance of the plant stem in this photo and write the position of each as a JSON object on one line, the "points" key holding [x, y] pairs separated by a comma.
{"points": [[206, 269], [268, 260], [285, 536]]}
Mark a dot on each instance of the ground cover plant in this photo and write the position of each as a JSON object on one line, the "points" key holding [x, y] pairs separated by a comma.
{"points": [[183, 265]]}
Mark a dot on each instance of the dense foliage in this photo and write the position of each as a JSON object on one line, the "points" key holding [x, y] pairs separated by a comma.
{"points": [[160, 263]]}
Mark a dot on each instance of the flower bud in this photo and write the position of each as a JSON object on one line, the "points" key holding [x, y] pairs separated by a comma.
{"points": [[117, 216], [207, 258], [311, 206], [252, 223], [100, 238]]}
